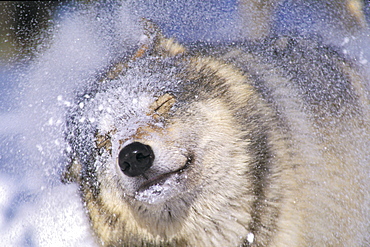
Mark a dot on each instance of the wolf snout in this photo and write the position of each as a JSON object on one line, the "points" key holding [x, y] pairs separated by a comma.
{"points": [[135, 158]]}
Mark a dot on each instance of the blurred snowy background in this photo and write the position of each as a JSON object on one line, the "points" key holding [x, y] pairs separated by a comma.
{"points": [[50, 49]]}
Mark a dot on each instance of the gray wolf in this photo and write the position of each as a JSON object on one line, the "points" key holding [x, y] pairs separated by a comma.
{"points": [[248, 144]]}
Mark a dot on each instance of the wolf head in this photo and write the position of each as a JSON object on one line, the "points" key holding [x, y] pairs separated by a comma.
{"points": [[165, 145]]}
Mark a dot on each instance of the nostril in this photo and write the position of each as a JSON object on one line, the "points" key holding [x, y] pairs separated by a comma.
{"points": [[135, 158]]}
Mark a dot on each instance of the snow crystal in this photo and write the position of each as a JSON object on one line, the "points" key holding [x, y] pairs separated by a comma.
{"points": [[39, 147], [51, 121], [250, 237], [159, 192], [345, 41], [363, 61]]}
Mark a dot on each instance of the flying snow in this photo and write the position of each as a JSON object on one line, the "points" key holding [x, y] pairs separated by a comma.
{"points": [[36, 209]]}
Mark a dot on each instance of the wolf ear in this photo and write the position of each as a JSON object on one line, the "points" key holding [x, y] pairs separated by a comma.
{"points": [[155, 42]]}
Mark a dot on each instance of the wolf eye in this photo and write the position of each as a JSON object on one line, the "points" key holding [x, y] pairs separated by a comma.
{"points": [[135, 158], [163, 104]]}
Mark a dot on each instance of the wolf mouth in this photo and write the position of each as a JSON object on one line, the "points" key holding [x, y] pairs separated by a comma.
{"points": [[161, 179]]}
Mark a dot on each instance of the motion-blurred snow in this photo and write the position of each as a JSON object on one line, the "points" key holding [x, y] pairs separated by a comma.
{"points": [[35, 208]]}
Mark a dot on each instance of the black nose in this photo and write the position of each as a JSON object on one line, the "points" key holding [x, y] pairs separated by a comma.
{"points": [[135, 158]]}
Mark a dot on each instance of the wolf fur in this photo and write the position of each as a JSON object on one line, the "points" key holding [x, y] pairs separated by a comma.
{"points": [[256, 144], [257, 17]]}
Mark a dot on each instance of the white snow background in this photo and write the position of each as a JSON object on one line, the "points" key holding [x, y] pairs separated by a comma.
{"points": [[36, 209]]}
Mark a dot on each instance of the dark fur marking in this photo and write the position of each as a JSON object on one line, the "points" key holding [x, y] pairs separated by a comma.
{"points": [[261, 175]]}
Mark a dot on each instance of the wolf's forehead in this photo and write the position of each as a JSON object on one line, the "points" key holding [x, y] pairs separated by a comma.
{"points": [[126, 102], [119, 108]]}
